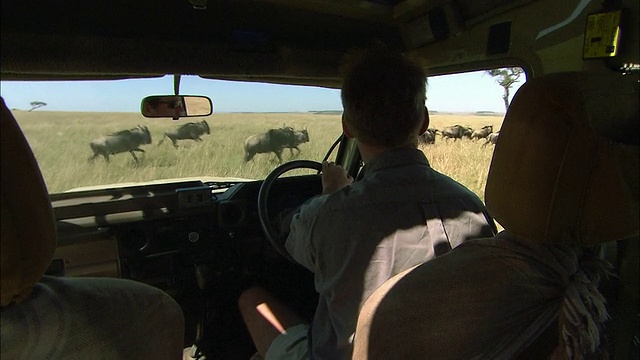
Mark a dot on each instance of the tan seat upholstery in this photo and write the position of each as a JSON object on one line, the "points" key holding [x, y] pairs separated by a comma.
{"points": [[45, 317], [28, 237], [555, 176], [557, 183]]}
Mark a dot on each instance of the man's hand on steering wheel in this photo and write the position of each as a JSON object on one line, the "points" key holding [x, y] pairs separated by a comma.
{"points": [[334, 177]]}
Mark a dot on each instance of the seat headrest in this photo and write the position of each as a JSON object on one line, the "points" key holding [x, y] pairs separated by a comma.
{"points": [[565, 169], [28, 232]]}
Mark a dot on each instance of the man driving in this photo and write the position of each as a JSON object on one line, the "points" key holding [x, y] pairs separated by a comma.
{"points": [[356, 235]]}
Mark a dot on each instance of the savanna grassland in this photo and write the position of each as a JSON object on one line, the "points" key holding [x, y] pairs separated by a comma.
{"points": [[60, 142]]}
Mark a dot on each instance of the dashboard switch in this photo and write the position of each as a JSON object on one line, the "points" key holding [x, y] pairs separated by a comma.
{"points": [[194, 197], [194, 237]]}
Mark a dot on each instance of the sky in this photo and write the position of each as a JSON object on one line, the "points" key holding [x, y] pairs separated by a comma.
{"points": [[468, 92]]}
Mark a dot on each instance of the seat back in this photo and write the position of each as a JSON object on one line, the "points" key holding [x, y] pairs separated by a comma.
{"points": [[79, 318], [28, 233], [564, 176], [556, 175]]}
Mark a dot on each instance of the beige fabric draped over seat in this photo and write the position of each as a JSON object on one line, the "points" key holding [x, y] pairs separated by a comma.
{"points": [[46, 317], [563, 179]]}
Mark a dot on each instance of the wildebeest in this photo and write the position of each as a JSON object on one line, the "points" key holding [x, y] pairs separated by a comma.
{"points": [[492, 138], [121, 141], [299, 137], [456, 132], [429, 137], [482, 133], [274, 140], [188, 131]]}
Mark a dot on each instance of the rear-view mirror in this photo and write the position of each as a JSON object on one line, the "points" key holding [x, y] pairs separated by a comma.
{"points": [[176, 106]]}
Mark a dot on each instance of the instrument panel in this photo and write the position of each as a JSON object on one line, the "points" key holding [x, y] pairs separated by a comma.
{"points": [[152, 232], [201, 243]]}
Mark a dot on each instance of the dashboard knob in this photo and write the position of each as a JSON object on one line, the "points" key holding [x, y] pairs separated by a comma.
{"points": [[194, 237]]}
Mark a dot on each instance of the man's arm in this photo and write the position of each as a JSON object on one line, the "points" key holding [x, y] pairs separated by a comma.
{"points": [[298, 243]]}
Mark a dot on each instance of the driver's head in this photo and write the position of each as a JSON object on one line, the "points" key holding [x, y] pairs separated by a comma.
{"points": [[383, 95], [165, 106]]}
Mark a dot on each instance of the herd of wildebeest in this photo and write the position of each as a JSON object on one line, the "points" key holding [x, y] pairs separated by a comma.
{"points": [[130, 140], [456, 132], [271, 141]]}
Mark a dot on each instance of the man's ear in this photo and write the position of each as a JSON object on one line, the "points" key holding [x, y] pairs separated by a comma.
{"points": [[425, 122], [345, 128]]}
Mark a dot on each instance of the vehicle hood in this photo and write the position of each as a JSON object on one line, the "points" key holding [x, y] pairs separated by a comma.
{"points": [[203, 179]]}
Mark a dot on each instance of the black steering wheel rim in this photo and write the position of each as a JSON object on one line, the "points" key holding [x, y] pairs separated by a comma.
{"points": [[263, 213]]}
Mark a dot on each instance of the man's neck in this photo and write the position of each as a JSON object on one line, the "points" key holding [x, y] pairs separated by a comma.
{"points": [[369, 152]]}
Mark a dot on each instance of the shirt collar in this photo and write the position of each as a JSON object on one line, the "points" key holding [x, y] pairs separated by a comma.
{"points": [[395, 158]]}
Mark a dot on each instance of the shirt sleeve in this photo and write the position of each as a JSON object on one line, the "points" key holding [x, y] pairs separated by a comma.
{"points": [[298, 243]]}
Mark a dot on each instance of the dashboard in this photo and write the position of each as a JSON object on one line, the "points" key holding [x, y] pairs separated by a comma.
{"points": [[201, 242]]}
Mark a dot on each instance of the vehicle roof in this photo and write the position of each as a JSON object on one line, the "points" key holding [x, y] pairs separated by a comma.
{"points": [[295, 42]]}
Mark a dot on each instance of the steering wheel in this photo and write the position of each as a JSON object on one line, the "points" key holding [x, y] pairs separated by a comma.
{"points": [[275, 238]]}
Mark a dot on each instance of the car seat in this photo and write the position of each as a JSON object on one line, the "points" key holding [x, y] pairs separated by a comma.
{"points": [[563, 183], [44, 317]]}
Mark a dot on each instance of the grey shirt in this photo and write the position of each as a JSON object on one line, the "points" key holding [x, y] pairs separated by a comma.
{"points": [[400, 214]]}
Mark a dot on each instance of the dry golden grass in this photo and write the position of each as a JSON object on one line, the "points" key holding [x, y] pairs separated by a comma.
{"points": [[465, 160], [60, 141]]}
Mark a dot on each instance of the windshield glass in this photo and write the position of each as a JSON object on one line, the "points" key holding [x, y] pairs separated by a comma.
{"points": [[70, 124], [70, 127]]}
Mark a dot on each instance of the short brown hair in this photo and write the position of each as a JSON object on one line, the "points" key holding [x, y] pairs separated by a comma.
{"points": [[383, 95]]}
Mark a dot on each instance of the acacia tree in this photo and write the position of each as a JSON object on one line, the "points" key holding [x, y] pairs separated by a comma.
{"points": [[506, 78], [37, 104]]}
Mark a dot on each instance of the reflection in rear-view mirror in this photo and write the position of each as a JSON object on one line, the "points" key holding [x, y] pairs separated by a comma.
{"points": [[176, 106]]}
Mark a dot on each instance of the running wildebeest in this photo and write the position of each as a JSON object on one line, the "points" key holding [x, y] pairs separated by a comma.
{"points": [[188, 131], [492, 138], [482, 133], [429, 137], [121, 141], [299, 137], [456, 132], [274, 140]]}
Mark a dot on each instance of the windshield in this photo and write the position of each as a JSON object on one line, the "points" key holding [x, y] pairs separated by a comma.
{"points": [[70, 127], [70, 124]]}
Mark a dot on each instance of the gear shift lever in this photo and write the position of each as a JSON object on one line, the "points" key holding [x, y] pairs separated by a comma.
{"points": [[203, 276]]}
